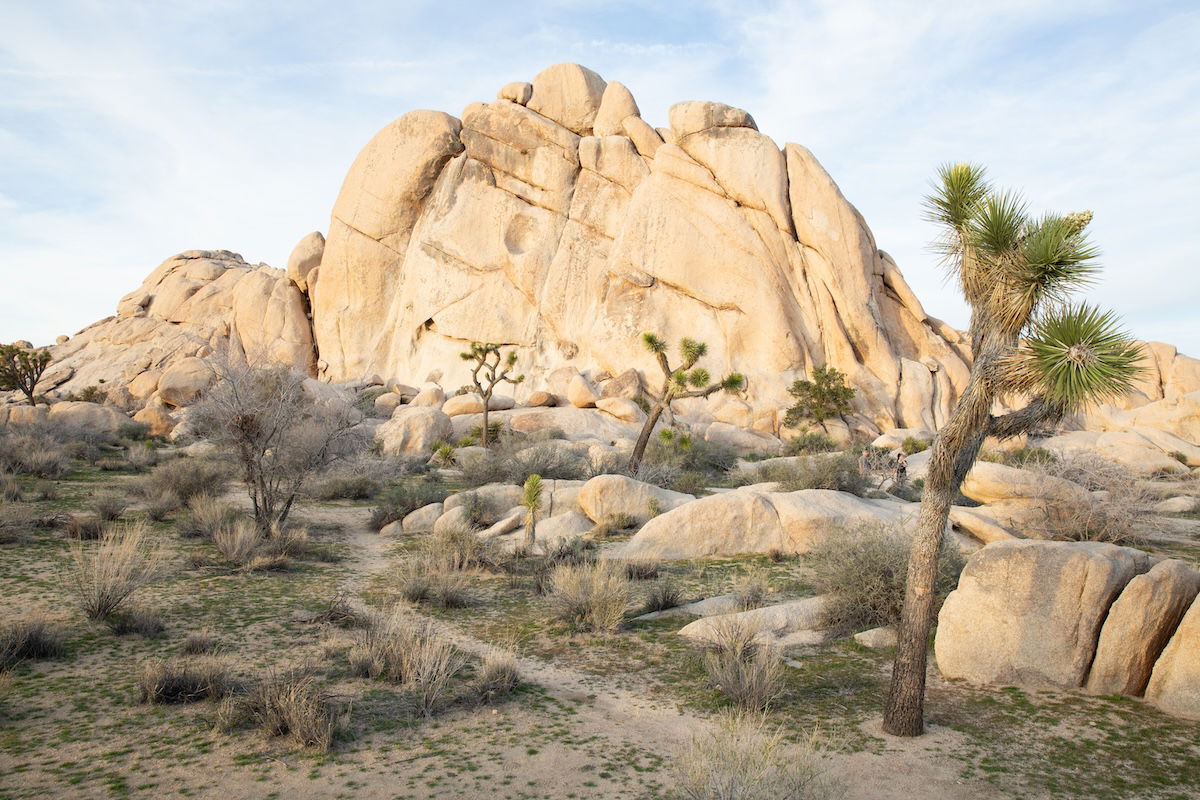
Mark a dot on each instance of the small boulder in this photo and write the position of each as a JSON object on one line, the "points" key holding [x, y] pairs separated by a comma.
{"points": [[541, 399], [423, 519], [305, 257], [388, 402], [1175, 683], [431, 395], [1177, 505], [877, 638], [569, 94], [518, 92], [622, 409], [158, 417], [608, 495], [414, 430], [460, 404], [581, 392], [782, 623], [184, 381], [627, 385], [90, 417]]}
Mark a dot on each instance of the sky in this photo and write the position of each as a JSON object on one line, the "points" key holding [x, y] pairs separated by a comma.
{"points": [[130, 131]]}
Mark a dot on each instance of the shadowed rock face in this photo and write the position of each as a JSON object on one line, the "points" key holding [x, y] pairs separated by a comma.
{"points": [[519, 225]]}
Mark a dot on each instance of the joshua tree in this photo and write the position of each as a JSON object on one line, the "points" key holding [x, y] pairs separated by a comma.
{"points": [[21, 369], [276, 431], [532, 500], [1016, 272], [686, 381], [824, 397], [490, 370]]}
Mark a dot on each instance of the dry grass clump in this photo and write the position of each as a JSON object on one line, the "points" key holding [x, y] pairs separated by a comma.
{"points": [[143, 621], [183, 680], [161, 505], [105, 575], [458, 547], [590, 597], [288, 703], [1122, 506], [186, 478], [422, 580], [642, 569], [33, 454], [198, 643], [662, 595], [10, 490], [618, 524], [747, 672], [751, 588], [407, 650], [86, 528], [109, 506], [864, 568], [498, 675], [29, 637], [205, 516], [741, 759], [237, 542]]}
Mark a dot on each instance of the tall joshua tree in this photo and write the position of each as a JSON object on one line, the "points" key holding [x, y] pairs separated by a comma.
{"points": [[21, 369], [1017, 273], [491, 369], [687, 380]]}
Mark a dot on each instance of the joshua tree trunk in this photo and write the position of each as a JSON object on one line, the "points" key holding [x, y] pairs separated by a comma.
{"points": [[639, 449], [483, 431]]}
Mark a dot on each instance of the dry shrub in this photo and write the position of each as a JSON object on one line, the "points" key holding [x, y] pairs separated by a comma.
{"points": [[136, 619], [498, 675], [421, 580], [751, 588], [161, 505], [865, 567], [109, 506], [198, 643], [590, 597], [662, 595], [741, 759], [46, 490], [1120, 515], [35, 454], [186, 478], [406, 497], [407, 650], [747, 672], [10, 490], [237, 542], [29, 637], [827, 471], [183, 680], [618, 524], [288, 703], [205, 516], [642, 569], [105, 575], [341, 612], [458, 547], [85, 528]]}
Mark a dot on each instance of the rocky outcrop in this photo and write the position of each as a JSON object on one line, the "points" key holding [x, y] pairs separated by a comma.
{"points": [[193, 304], [555, 221], [1175, 683]]}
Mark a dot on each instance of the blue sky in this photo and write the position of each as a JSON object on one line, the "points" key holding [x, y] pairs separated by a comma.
{"points": [[130, 131]]}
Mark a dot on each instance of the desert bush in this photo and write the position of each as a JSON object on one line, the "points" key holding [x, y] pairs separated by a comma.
{"points": [[409, 651], [183, 680], [162, 505], [662, 595], [340, 611], [10, 490], [288, 703], [684, 453], [1019, 456], [1121, 510], [512, 459], [747, 672], [1179, 456], [740, 759], [617, 524], [864, 569], [109, 506], [642, 569], [136, 619], [185, 478], [751, 587], [46, 490], [198, 643], [205, 516], [106, 575], [838, 472], [402, 499], [809, 442], [912, 445], [342, 486], [590, 597], [458, 547], [287, 541], [237, 542], [30, 637], [85, 528], [50, 463], [498, 675], [420, 580]]}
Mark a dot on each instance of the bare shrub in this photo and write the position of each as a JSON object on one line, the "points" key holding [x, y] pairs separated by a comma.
{"points": [[340, 611], [498, 675], [136, 619], [198, 643], [1122, 506], [741, 759], [400, 500], [161, 505], [46, 490], [50, 463], [276, 431], [10, 490], [642, 569], [864, 569], [662, 595], [104, 576], [30, 637], [237, 542], [85, 528], [751, 588], [836, 471], [109, 506], [290, 704], [185, 478], [183, 680], [590, 597], [205, 516], [747, 672]]}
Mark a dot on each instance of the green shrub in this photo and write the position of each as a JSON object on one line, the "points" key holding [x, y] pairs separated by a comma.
{"points": [[405, 497], [838, 472], [824, 397], [810, 442], [1180, 457], [864, 568], [912, 445], [1020, 456]]}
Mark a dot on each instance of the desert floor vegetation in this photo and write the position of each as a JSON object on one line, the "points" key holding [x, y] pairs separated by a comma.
{"points": [[426, 665]]}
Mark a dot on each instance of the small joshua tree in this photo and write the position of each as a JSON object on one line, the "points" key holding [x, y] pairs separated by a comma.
{"points": [[490, 370], [532, 500], [687, 380], [824, 397], [21, 369]]}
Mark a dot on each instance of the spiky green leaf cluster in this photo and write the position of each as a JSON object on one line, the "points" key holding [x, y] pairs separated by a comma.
{"points": [[654, 343]]}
